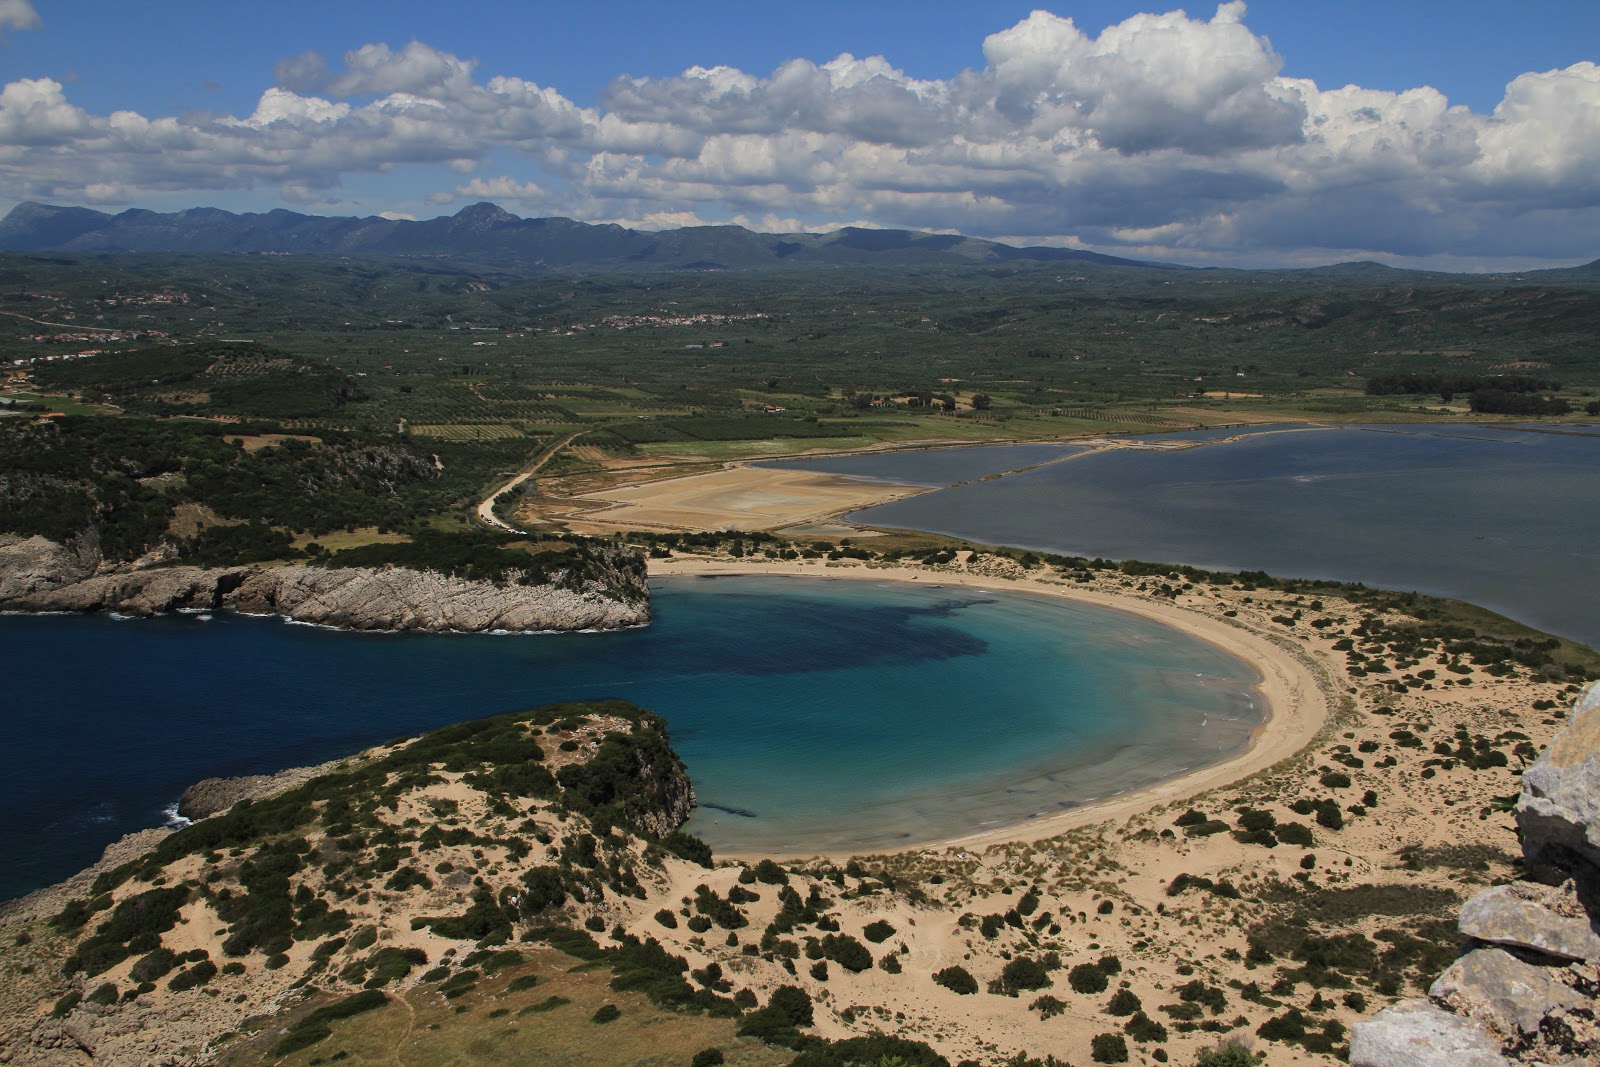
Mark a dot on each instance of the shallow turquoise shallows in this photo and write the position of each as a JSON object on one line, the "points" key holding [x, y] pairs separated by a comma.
{"points": [[812, 714]]}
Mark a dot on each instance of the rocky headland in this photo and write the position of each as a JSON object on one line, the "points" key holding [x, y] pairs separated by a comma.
{"points": [[41, 575]]}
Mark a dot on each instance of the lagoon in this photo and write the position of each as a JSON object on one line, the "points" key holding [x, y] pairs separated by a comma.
{"points": [[839, 714], [1500, 516]]}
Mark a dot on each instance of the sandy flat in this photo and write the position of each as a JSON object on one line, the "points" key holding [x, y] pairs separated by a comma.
{"points": [[1292, 687], [737, 498]]}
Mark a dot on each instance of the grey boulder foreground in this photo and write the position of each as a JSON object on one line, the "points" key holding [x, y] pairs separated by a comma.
{"points": [[1526, 989], [1545, 919], [1559, 812]]}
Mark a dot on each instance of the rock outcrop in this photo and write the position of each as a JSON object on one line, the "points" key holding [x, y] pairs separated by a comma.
{"points": [[1526, 989], [210, 795], [36, 566], [40, 575]]}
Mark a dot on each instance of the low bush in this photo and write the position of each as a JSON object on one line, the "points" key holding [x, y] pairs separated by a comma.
{"points": [[957, 980], [1088, 978]]}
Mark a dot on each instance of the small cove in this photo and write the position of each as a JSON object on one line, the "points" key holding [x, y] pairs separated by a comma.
{"points": [[840, 714]]}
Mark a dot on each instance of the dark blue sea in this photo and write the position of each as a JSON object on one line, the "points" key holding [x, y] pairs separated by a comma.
{"points": [[838, 714]]}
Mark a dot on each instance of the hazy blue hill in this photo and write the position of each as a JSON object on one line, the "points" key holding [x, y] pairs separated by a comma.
{"points": [[40, 227], [1366, 268], [487, 233], [1586, 274]]}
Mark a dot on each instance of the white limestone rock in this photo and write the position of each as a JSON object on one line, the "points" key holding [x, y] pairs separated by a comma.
{"points": [[1415, 1033]]}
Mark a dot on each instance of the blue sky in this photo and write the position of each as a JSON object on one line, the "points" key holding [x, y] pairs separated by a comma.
{"points": [[1222, 136]]}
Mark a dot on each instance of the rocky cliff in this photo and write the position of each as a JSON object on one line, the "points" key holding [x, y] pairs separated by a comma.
{"points": [[40, 575], [1525, 989]]}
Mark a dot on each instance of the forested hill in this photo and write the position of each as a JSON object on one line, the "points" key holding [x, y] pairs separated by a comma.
{"points": [[486, 232]]}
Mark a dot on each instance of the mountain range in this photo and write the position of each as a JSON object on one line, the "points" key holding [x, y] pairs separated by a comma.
{"points": [[486, 232]]}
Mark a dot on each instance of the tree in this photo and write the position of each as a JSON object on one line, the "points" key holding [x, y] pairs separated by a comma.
{"points": [[981, 401]]}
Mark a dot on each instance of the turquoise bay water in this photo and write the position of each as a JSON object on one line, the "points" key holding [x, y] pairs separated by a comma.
{"points": [[1504, 518], [839, 713]]}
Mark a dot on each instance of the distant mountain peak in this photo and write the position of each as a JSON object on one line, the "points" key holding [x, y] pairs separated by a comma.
{"points": [[485, 212]]}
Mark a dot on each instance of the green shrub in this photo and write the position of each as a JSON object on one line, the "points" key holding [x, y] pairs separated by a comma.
{"points": [[1251, 819], [1088, 978], [878, 932], [606, 1013], [847, 952], [1021, 973], [152, 966], [957, 980], [550, 1003], [1123, 1002], [198, 975], [1048, 1006], [1144, 1029], [1109, 1048], [787, 1010], [390, 964], [769, 873], [1228, 1053]]}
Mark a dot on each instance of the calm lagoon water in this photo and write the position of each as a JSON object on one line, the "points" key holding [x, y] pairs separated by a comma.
{"points": [[839, 713], [1505, 518]]}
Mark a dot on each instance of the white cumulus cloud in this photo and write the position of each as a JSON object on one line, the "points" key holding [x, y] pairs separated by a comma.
{"points": [[1162, 135]]}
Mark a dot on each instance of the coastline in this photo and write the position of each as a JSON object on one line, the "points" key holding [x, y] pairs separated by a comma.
{"points": [[1176, 905], [1294, 689], [40, 576]]}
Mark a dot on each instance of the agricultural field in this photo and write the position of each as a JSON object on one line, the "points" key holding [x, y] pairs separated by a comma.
{"points": [[485, 370]]}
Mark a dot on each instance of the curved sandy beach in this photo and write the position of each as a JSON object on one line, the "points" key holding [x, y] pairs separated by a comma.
{"points": [[1294, 688]]}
